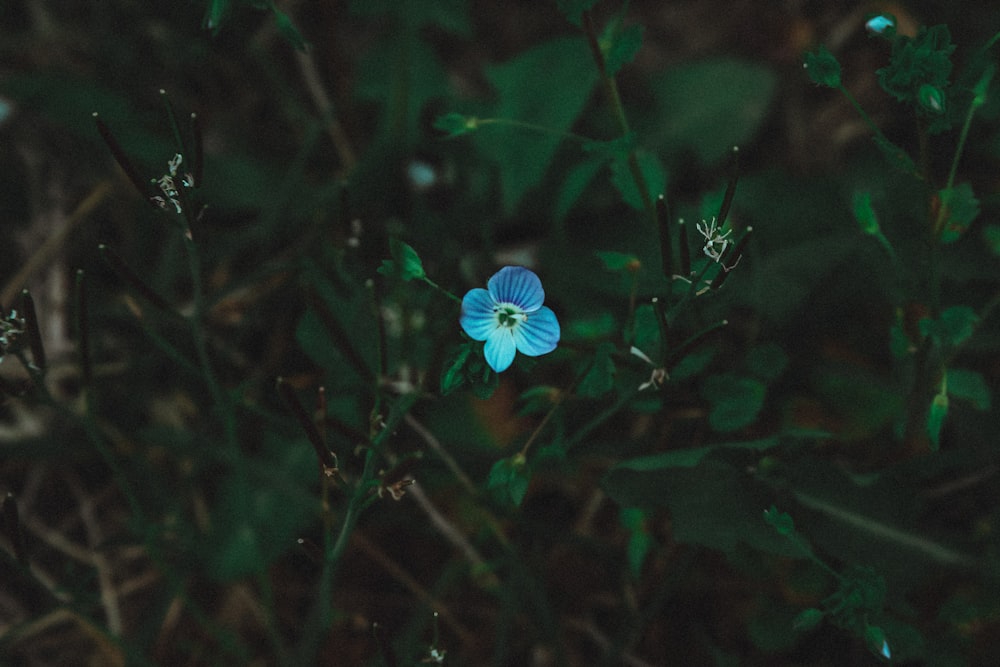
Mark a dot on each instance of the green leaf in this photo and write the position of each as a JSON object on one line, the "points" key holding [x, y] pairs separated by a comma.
{"points": [[955, 326], [405, 264], [735, 400], [918, 61], [508, 480], [767, 361], [991, 234], [807, 619], [620, 46], [693, 363], [689, 457], [970, 386], [214, 14], [640, 542], [453, 373], [573, 9], [822, 67], [600, 379], [288, 29], [780, 521], [578, 179], [710, 106], [617, 261], [895, 155], [961, 208], [865, 214], [646, 332], [548, 87], [935, 419], [713, 504], [451, 15], [653, 174], [256, 520]]}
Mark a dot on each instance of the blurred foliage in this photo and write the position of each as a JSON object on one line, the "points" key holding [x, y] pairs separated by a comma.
{"points": [[240, 421]]}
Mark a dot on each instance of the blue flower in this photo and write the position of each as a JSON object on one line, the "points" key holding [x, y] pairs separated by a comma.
{"points": [[510, 317]]}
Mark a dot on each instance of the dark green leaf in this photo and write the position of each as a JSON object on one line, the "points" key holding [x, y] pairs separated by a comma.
{"points": [[807, 619], [822, 67], [508, 480], [525, 85], [575, 185], [573, 9], [767, 361], [453, 374], [689, 457], [620, 46], [961, 208], [955, 326], [600, 379], [617, 261], [735, 400], [970, 386], [713, 504], [653, 174], [710, 106], [288, 29], [895, 155], [991, 234], [780, 521]]}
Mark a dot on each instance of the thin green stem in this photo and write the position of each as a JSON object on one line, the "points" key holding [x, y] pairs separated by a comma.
{"points": [[541, 129], [618, 111], [441, 289]]}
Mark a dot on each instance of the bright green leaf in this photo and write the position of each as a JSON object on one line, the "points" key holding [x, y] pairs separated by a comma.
{"points": [[406, 262], [865, 214], [935, 419]]}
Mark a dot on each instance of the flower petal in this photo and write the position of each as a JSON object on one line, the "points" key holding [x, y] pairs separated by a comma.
{"points": [[517, 285], [478, 318], [539, 334], [500, 349]]}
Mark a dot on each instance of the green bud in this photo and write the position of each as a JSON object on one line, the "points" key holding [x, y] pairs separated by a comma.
{"points": [[931, 99]]}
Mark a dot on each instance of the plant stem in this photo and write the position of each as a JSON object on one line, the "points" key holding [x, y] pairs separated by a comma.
{"points": [[618, 111]]}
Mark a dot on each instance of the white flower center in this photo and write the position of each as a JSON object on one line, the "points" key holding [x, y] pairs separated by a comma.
{"points": [[508, 315]]}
